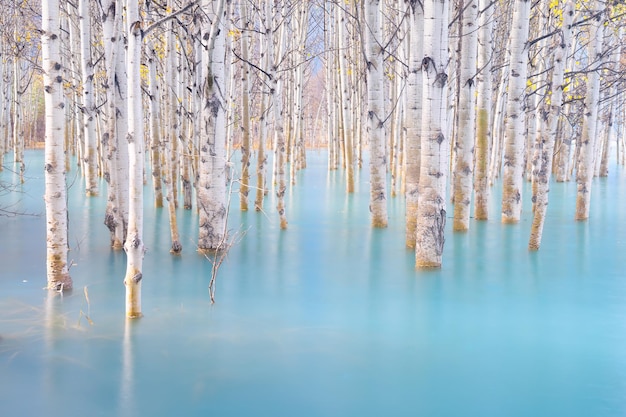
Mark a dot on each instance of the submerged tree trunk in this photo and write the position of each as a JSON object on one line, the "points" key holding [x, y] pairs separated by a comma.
{"points": [[376, 113], [56, 190], [244, 188], [116, 214], [212, 170], [464, 172], [483, 110], [413, 121], [88, 109], [584, 171], [515, 135], [431, 210], [134, 245], [549, 114]]}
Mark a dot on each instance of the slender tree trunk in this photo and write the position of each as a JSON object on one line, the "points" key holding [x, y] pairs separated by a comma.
{"points": [[56, 190], [515, 135], [276, 98], [431, 218], [376, 112], [464, 167], [483, 99], [244, 188], [134, 245], [88, 109], [413, 121], [265, 39], [549, 114], [346, 100], [116, 214], [155, 127], [584, 171], [212, 178]]}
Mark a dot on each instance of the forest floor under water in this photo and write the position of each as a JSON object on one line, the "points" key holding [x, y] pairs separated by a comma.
{"points": [[327, 318]]}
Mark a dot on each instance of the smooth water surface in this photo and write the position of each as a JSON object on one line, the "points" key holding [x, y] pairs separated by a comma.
{"points": [[327, 318]]}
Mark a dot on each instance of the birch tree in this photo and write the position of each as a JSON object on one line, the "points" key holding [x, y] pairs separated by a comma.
{"points": [[116, 214], [431, 210], [134, 245], [549, 114], [584, 171], [514, 135], [211, 189], [276, 90], [376, 112], [483, 110], [55, 194], [463, 179], [413, 120], [88, 104], [244, 189]]}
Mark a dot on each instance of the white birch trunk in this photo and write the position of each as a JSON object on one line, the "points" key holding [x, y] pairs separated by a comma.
{"points": [[346, 100], [431, 218], [483, 110], [57, 268], [212, 170], [376, 112], [584, 171], [515, 134], [116, 216], [244, 188], [549, 114], [276, 89], [464, 164], [134, 245], [413, 121], [264, 39], [88, 105]]}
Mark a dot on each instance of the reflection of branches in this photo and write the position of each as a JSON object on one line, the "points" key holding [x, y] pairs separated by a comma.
{"points": [[9, 210]]}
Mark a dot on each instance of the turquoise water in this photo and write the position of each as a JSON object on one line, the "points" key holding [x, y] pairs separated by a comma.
{"points": [[328, 318]]}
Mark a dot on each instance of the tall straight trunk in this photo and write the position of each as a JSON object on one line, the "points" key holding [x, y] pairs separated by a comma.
{"points": [[602, 163], [18, 118], [466, 122], [549, 114], [346, 100], [134, 245], [515, 135], [264, 40], [55, 195], [244, 188], [155, 127], [276, 89], [331, 119], [212, 169], [155, 113], [3, 107], [413, 120], [88, 106], [483, 110], [431, 212], [116, 214], [584, 171], [172, 117], [376, 112], [184, 128], [497, 130]]}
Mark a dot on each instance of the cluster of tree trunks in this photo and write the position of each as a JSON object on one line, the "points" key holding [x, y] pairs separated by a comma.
{"points": [[446, 97]]}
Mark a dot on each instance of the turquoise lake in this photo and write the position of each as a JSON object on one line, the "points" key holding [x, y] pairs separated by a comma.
{"points": [[327, 318]]}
